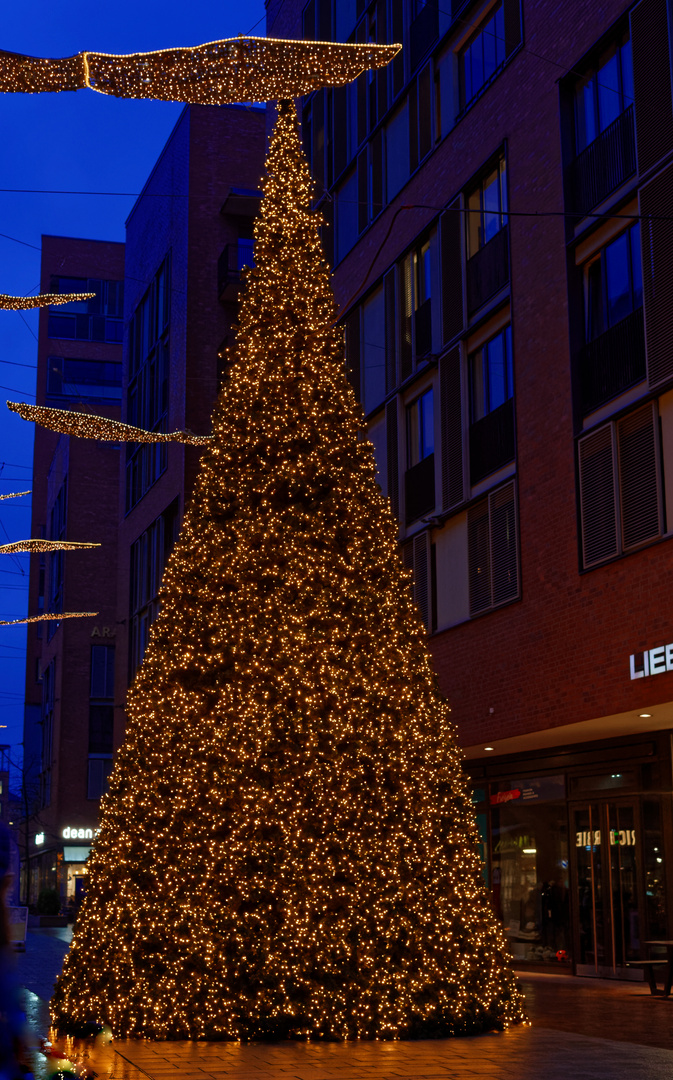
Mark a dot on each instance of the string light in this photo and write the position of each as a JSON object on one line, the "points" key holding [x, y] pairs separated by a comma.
{"points": [[217, 73], [22, 303], [52, 616], [15, 494], [43, 545], [288, 847], [90, 426]]}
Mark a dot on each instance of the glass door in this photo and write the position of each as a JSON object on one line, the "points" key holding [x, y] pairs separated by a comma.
{"points": [[607, 891]]}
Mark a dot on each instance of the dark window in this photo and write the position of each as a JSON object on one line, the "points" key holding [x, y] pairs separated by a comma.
{"points": [[99, 771], [614, 283], [56, 531], [420, 429], [346, 199], [604, 94], [620, 486], [99, 318], [102, 671], [47, 721], [397, 150], [487, 208], [149, 555], [374, 350], [482, 56], [100, 728], [491, 375], [493, 560], [91, 379], [147, 391]]}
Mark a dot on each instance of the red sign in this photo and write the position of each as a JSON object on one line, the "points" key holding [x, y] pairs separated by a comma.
{"points": [[505, 796]]}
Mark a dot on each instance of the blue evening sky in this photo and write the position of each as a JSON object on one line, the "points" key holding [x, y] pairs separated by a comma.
{"points": [[80, 141]]}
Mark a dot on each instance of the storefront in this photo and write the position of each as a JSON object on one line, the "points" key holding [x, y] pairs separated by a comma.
{"points": [[578, 846], [58, 861]]}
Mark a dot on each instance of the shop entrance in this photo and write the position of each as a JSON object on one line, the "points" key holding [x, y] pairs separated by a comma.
{"points": [[608, 875]]}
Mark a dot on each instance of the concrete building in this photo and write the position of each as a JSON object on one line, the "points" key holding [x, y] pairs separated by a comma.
{"points": [[70, 663], [498, 204]]}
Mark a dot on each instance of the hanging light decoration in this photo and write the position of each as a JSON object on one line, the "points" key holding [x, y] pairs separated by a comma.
{"points": [[51, 616], [35, 546], [89, 426], [15, 495], [22, 303], [217, 73]]}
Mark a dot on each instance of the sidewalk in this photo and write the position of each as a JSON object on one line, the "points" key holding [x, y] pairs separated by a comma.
{"points": [[582, 1029]]}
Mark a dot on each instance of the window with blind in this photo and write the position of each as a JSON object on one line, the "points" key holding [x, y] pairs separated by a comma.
{"points": [[620, 486], [493, 550], [416, 557]]}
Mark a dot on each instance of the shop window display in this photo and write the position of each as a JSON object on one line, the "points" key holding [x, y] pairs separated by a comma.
{"points": [[529, 838]]}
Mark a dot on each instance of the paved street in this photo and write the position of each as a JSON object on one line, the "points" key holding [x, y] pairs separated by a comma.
{"points": [[581, 1029]]}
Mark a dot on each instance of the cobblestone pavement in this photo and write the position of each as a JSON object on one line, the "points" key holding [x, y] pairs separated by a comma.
{"points": [[582, 1029]]}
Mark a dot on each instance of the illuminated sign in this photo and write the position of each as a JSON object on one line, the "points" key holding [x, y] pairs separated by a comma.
{"points": [[39, 838], [651, 662], [77, 834], [592, 838]]}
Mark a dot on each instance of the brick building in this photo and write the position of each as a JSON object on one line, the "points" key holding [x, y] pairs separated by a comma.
{"points": [[70, 663], [188, 236], [497, 202]]}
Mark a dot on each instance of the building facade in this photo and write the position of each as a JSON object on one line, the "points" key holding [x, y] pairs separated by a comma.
{"points": [[187, 239], [496, 205], [68, 723]]}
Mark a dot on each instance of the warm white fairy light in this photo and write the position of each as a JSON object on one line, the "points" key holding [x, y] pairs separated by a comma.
{"points": [[217, 73], [52, 616], [15, 494], [91, 426], [288, 847], [43, 545], [23, 303]]}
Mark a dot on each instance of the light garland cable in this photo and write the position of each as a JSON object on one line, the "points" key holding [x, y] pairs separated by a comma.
{"points": [[16, 495], [90, 426], [35, 546], [217, 73], [23, 303], [52, 616]]}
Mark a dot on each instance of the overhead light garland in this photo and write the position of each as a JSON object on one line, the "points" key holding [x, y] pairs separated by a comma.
{"points": [[23, 303], [288, 848], [90, 426], [52, 616], [217, 73], [16, 494], [35, 546]]}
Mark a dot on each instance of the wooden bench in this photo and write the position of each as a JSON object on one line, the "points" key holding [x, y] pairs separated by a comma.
{"points": [[648, 969]]}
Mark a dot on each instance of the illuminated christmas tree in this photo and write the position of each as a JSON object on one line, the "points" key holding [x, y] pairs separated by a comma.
{"points": [[288, 848]]}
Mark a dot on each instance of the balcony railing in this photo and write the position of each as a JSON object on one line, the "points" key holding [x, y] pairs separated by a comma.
{"points": [[492, 441], [423, 33], [611, 363], [605, 164], [229, 265], [488, 270], [419, 488], [423, 328]]}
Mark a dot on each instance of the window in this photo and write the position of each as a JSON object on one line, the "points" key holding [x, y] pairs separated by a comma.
{"points": [[614, 283], [102, 671], [620, 486], [56, 531], [374, 350], [98, 319], [604, 94], [47, 722], [98, 776], [397, 151], [346, 200], [149, 555], [91, 379], [147, 392], [482, 57], [492, 548], [491, 375], [420, 429], [487, 208]]}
